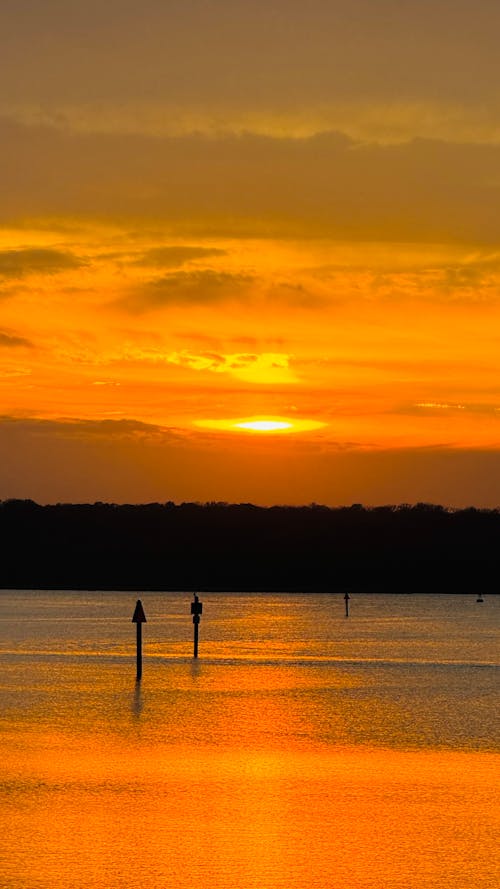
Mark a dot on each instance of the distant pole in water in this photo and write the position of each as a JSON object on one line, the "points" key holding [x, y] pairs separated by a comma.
{"points": [[139, 619], [346, 598], [196, 610]]}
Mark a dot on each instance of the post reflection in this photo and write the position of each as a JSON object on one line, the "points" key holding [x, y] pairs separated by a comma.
{"points": [[195, 669], [137, 704]]}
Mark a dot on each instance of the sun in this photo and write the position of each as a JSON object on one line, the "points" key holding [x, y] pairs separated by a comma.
{"points": [[266, 425]]}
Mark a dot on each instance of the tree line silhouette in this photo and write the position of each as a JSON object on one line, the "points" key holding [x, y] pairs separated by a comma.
{"points": [[220, 546]]}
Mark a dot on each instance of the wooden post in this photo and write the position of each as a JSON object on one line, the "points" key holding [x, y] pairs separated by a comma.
{"points": [[139, 619], [196, 610], [346, 598]]}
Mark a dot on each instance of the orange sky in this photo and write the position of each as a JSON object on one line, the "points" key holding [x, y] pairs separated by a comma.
{"points": [[216, 212]]}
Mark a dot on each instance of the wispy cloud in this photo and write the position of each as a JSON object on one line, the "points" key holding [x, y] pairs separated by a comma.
{"points": [[78, 428], [266, 368], [468, 278], [175, 256], [37, 261], [204, 286], [432, 408], [12, 340]]}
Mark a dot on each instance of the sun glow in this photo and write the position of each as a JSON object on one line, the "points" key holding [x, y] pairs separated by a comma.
{"points": [[262, 425]]}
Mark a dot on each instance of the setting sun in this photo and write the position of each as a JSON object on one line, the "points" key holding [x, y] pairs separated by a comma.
{"points": [[261, 424], [264, 425]]}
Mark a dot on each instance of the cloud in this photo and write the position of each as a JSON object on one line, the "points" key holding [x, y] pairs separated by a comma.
{"points": [[379, 122], [394, 272], [36, 261], [431, 408], [11, 340], [266, 367], [243, 341], [205, 286], [291, 65], [328, 185], [81, 428], [172, 257]]}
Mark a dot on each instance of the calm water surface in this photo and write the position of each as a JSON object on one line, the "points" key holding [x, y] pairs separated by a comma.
{"points": [[301, 751]]}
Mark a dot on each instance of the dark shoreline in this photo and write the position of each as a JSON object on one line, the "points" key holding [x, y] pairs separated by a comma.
{"points": [[219, 547]]}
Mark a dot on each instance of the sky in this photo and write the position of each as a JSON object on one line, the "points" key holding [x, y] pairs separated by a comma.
{"points": [[250, 251]]}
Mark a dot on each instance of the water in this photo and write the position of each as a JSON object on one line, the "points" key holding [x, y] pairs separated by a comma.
{"points": [[301, 751]]}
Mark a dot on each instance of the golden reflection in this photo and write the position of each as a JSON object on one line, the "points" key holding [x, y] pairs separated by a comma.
{"points": [[251, 817]]}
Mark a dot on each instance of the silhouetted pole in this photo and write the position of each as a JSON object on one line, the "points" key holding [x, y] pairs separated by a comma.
{"points": [[139, 619], [347, 597], [196, 610]]}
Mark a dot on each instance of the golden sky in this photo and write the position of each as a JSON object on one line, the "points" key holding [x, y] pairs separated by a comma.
{"points": [[250, 251]]}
